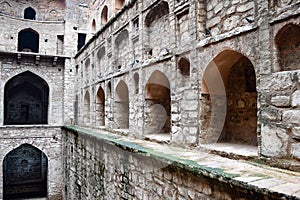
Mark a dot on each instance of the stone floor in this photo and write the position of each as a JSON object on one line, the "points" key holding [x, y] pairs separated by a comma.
{"points": [[232, 149], [243, 173]]}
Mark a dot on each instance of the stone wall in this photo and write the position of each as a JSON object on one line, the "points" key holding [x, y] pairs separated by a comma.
{"points": [[52, 10], [101, 169], [47, 38], [223, 16], [52, 75], [211, 99], [45, 138]]}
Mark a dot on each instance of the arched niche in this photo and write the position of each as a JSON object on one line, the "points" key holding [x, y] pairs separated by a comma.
{"points": [[157, 104], [25, 171], [104, 15], [288, 45], [100, 107], [26, 98], [28, 41], [121, 111], [29, 13], [86, 108], [229, 100]]}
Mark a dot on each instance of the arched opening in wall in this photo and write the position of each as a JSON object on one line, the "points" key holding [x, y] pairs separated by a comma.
{"points": [[25, 173], [288, 44], [122, 48], [136, 79], [26, 100], [157, 23], [87, 69], [184, 67], [28, 41], [104, 15], [157, 104], [229, 100], [100, 107], [119, 4], [86, 108], [101, 62], [29, 13], [109, 89], [121, 113], [94, 26]]}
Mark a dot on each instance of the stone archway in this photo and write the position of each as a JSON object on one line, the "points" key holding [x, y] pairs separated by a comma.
{"points": [[26, 100], [25, 172], [86, 108], [229, 100], [100, 107], [157, 104], [121, 111]]}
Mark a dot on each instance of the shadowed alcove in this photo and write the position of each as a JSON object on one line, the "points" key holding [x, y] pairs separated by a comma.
{"points": [[28, 41], [26, 100], [25, 173]]}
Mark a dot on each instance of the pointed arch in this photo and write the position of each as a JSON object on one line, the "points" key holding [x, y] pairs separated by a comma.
{"points": [[229, 100], [86, 108], [100, 107], [26, 98], [158, 104], [94, 26], [28, 40], [29, 13], [136, 79], [288, 44], [104, 15], [28, 176], [109, 89], [122, 105]]}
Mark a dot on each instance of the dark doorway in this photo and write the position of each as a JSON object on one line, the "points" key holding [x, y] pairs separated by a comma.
{"points": [[29, 13], [28, 41], [26, 100], [25, 173]]}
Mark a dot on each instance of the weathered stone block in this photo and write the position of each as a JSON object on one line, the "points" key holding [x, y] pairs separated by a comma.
{"points": [[295, 150], [296, 99], [231, 22], [296, 132], [273, 141], [218, 8], [281, 83], [291, 116], [214, 21], [245, 7], [280, 101]]}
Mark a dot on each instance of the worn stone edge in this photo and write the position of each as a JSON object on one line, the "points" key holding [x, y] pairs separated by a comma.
{"points": [[186, 164]]}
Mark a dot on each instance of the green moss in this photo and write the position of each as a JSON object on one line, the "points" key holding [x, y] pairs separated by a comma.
{"points": [[187, 164]]}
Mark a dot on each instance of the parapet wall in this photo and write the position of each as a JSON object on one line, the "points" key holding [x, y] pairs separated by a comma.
{"points": [[101, 165]]}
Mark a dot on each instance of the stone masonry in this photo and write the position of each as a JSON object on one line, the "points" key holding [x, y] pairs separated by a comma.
{"points": [[186, 73], [235, 61]]}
